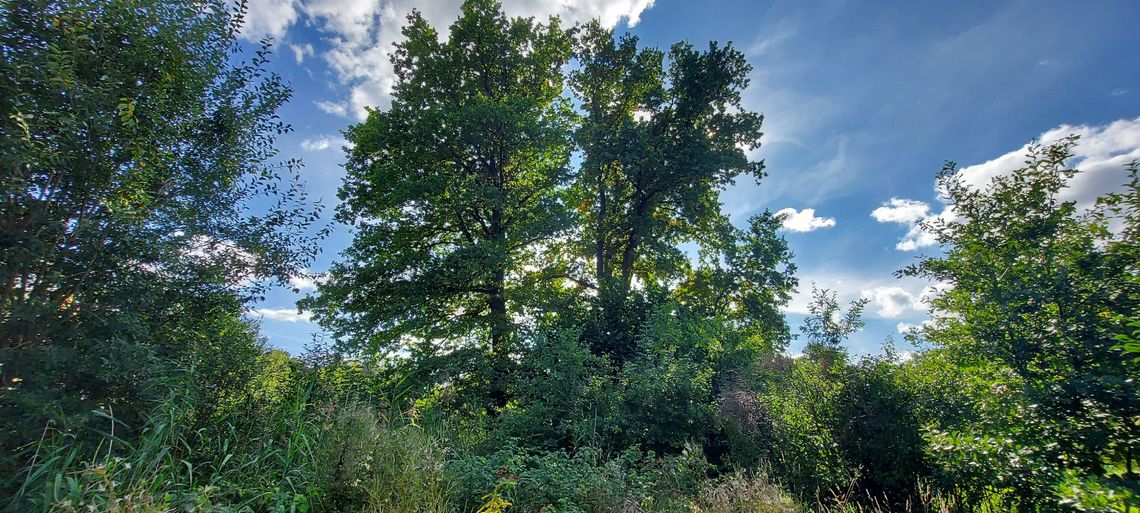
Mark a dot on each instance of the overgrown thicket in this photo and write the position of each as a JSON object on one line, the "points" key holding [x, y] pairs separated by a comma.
{"points": [[544, 307]]}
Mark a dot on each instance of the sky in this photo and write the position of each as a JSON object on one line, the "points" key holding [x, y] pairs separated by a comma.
{"points": [[863, 102]]}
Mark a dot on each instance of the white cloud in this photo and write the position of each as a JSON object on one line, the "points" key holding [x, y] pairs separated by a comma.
{"points": [[362, 33], [269, 18], [899, 210], [301, 51], [283, 314], [890, 298], [916, 237], [907, 327], [804, 220], [306, 281], [322, 143], [1101, 155], [893, 301], [770, 40], [334, 108], [908, 212]]}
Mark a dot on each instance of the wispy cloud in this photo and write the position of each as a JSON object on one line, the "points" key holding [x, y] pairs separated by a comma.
{"points": [[301, 51], [323, 143], [334, 108], [769, 40]]}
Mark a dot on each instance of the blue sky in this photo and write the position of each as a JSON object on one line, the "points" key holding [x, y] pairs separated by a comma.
{"points": [[863, 102]]}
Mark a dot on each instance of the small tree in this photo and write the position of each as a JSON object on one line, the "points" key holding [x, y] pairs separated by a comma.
{"points": [[1037, 294], [827, 326]]}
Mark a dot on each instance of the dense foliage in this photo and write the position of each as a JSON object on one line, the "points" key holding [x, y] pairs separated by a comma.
{"points": [[132, 147], [544, 307]]}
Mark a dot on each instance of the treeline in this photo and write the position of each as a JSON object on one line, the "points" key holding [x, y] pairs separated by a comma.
{"points": [[544, 307]]}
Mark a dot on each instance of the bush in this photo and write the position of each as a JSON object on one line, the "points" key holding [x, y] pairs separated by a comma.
{"points": [[586, 481]]}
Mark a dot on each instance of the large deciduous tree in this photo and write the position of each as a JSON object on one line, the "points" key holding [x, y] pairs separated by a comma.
{"points": [[661, 137], [454, 190]]}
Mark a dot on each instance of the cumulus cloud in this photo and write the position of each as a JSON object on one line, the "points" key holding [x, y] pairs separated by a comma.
{"points": [[917, 237], [889, 298], [361, 33], [283, 314], [893, 301], [269, 18], [803, 220], [910, 213], [1101, 155], [899, 210], [322, 143]]}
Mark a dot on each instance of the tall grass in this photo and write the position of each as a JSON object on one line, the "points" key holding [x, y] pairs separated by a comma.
{"points": [[294, 456]]}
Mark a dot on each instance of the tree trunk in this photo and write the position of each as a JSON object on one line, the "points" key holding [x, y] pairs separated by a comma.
{"points": [[500, 323], [600, 244]]}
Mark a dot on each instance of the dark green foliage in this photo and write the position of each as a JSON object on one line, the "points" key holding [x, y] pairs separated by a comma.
{"points": [[662, 398], [881, 412], [744, 281], [567, 396], [586, 481], [131, 149]]}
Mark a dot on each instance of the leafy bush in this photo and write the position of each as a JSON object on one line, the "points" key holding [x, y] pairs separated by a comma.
{"points": [[586, 481]]}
